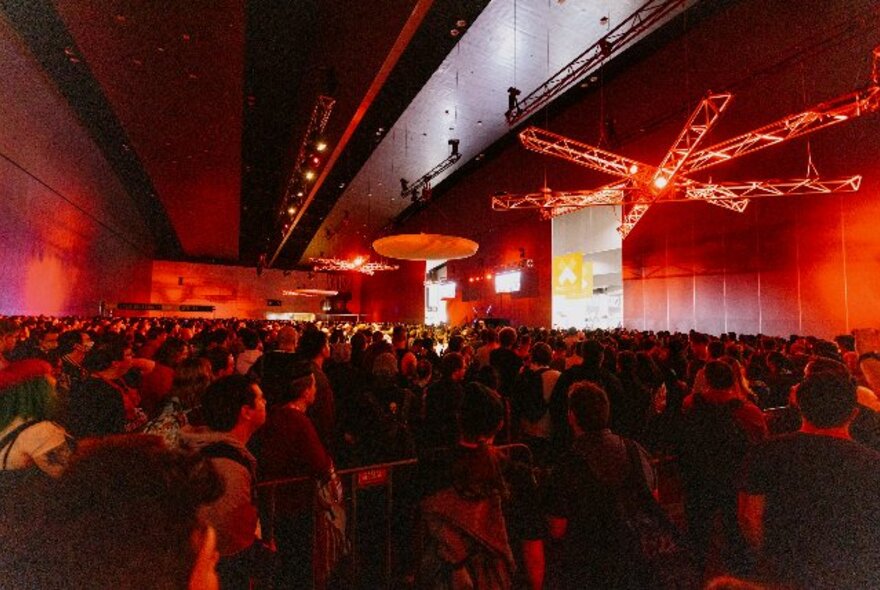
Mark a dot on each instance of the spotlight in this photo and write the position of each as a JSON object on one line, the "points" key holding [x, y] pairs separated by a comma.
{"points": [[316, 160], [661, 182], [299, 194], [320, 146], [404, 185], [358, 261], [310, 175], [291, 210], [633, 169], [454, 143]]}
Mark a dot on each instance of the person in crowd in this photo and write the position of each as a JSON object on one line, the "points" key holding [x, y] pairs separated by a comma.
{"points": [[719, 428], [810, 501], [252, 350], [104, 403], [123, 516], [290, 447], [272, 369], [490, 342], [314, 348], [397, 410], [234, 409], [157, 383], [222, 361], [629, 417], [30, 441], [531, 403], [592, 355], [156, 336], [442, 404], [478, 512], [594, 476], [182, 405], [72, 348], [9, 330], [505, 360]]}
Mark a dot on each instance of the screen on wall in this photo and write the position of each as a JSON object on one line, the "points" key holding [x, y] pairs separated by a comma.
{"points": [[508, 282]]}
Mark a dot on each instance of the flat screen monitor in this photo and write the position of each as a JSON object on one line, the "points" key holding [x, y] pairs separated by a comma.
{"points": [[508, 282]]}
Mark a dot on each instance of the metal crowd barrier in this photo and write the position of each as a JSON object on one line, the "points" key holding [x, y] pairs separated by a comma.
{"points": [[355, 480]]}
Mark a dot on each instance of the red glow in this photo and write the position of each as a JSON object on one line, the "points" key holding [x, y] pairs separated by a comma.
{"points": [[489, 276]]}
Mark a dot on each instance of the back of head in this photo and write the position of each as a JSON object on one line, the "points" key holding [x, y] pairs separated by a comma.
{"points": [[592, 352], [482, 412], [450, 364], [589, 404], [385, 365], [249, 338], [220, 359], [456, 343], [191, 378], [223, 400], [716, 349], [111, 348], [541, 354], [123, 516], [312, 343], [507, 337], [719, 375], [170, 352], [287, 337], [826, 398], [301, 378]]}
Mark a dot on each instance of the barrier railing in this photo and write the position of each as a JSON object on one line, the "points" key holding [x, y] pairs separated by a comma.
{"points": [[355, 480]]}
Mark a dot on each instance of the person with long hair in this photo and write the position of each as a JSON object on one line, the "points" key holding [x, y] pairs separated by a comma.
{"points": [[182, 406]]}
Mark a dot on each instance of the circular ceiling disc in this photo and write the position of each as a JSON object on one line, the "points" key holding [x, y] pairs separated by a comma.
{"points": [[425, 247]]}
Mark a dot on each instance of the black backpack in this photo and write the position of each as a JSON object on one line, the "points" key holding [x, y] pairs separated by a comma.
{"points": [[528, 396], [12, 479], [713, 445]]}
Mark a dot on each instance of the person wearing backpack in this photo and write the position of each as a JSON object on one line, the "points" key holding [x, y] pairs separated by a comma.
{"points": [[719, 427], [531, 401], [234, 409]]}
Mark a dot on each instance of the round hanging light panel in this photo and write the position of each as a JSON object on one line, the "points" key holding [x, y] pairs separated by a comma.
{"points": [[425, 247]]}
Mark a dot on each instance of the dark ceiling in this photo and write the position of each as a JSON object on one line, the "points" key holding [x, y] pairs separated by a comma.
{"points": [[201, 106]]}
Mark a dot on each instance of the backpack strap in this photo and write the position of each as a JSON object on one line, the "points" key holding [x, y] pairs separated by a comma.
{"points": [[222, 450], [10, 439]]}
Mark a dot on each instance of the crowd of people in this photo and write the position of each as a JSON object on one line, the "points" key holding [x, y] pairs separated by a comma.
{"points": [[144, 452]]}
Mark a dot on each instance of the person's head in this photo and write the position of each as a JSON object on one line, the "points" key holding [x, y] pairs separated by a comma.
{"points": [[9, 330], [171, 352], [719, 375], [507, 337], [626, 362], [191, 378], [74, 342], [217, 338], [222, 361], [234, 401], [589, 410], [313, 345], [592, 352], [826, 349], [49, 339], [124, 515], [482, 413], [385, 365], [827, 399], [456, 343], [452, 366], [715, 349], [541, 354], [113, 352], [27, 390], [489, 336], [249, 338], [424, 370], [409, 365], [302, 386], [287, 339]]}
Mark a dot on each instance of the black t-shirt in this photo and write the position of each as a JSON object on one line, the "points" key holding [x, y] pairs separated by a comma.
{"points": [[822, 512]]}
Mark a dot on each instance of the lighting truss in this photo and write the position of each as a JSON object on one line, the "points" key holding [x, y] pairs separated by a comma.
{"points": [[421, 188], [295, 190], [359, 264], [642, 185], [640, 21]]}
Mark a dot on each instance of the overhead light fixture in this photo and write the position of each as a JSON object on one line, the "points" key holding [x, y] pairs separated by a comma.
{"points": [[309, 175], [358, 264], [420, 190]]}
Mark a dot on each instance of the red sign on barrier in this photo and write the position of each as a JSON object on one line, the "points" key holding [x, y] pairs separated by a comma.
{"points": [[371, 477]]}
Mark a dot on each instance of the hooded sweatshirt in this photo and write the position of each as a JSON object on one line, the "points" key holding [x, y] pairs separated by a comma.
{"points": [[234, 514]]}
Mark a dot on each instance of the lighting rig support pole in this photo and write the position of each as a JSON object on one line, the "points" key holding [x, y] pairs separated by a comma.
{"points": [[417, 189], [643, 185], [640, 21]]}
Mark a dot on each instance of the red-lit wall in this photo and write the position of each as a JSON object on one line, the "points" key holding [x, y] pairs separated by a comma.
{"points": [[237, 291], [794, 264], [69, 234], [395, 296]]}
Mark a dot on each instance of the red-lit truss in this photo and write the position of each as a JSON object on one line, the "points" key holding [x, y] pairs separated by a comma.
{"points": [[358, 264], [641, 185]]}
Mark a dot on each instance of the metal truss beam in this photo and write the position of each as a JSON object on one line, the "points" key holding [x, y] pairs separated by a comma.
{"points": [[552, 144], [640, 21], [415, 189]]}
